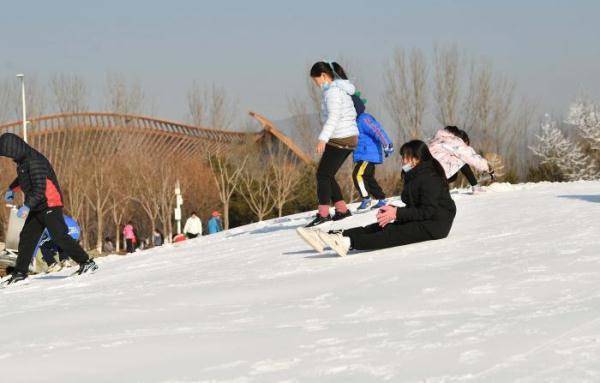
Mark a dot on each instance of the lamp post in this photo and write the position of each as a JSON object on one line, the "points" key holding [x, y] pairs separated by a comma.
{"points": [[22, 77], [178, 203]]}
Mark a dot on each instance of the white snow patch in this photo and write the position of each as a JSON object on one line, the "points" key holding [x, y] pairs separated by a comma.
{"points": [[511, 295]]}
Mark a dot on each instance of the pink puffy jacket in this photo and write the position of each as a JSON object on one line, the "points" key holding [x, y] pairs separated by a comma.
{"points": [[128, 232], [453, 153]]}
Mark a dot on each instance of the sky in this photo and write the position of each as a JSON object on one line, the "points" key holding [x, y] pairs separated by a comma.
{"points": [[261, 51]]}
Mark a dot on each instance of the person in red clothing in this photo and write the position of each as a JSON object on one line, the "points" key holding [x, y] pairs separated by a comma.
{"points": [[43, 207]]}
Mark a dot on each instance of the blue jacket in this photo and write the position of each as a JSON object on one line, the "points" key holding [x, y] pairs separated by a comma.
{"points": [[371, 140], [214, 225]]}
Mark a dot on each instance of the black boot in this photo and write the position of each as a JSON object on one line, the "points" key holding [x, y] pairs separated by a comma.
{"points": [[15, 277], [88, 267], [319, 219], [337, 216]]}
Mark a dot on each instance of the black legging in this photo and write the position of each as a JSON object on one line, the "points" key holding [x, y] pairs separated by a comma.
{"points": [[374, 237], [328, 190], [467, 172], [365, 182]]}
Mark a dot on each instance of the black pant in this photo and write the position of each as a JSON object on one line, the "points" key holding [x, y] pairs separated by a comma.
{"points": [[374, 237], [36, 222], [328, 190], [364, 180], [191, 236], [467, 172], [130, 245]]}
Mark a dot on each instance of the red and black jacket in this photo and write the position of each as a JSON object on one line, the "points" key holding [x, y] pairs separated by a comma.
{"points": [[35, 176]]}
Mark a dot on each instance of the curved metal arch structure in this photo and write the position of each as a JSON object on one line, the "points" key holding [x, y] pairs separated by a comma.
{"points": [[71, 136], [100, 132]]}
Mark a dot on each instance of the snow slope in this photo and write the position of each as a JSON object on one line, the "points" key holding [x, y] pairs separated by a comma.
{"points": [[513, 295]]}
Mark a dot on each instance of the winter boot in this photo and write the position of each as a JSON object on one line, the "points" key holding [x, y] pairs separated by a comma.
{"points": [[337, 242], [15, 277], [365, 204], [88, 267], [338, 216], [311, 237], [319, 219], [381, 203]]}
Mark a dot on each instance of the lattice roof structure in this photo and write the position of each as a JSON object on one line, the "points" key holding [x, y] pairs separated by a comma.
{"points": [[104, 134]]}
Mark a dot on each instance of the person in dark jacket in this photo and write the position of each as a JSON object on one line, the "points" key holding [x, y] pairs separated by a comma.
{"points": [[428, 214], [43, 207]]}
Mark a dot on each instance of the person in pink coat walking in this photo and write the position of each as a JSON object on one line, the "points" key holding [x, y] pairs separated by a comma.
{"points": [[130, 237], [450, 146]]}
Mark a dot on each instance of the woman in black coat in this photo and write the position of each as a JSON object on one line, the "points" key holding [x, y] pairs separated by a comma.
{"points": [[428, 214]]}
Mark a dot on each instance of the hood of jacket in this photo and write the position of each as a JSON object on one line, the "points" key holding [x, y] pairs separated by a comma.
{"points": [[344, 85], [14, 147]]}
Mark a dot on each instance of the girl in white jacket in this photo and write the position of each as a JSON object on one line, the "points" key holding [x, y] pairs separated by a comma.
{"points": [[337, 139]]}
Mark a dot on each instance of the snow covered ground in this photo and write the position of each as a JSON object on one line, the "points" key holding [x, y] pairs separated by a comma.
{"points": [[513, 295]]}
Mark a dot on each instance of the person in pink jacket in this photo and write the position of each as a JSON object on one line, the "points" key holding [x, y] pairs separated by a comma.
{"points": [[129, 235], [450, 146]]}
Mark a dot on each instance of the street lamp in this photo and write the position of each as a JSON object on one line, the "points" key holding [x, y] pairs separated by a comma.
{"points": [[178, 203], [22, 77]]}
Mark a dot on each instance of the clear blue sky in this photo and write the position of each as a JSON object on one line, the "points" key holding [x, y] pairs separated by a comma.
{"points": [[260, 51]]}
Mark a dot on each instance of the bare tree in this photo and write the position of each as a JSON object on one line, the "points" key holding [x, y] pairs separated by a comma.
{"points": [[212, 107], [284, 178], [256, 190], [196, 99], [305, 129], [406, 92], [447, 84], [99, 196], [122, 96], [70, 93], [488, 107], [8, 94], [227, 173]]}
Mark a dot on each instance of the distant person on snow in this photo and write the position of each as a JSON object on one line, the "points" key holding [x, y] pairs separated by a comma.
{"points": [[428, 214], [337, 139], [214, 223], [373, 145], [43, 207], [450, 146], [108, 246], [130, 237], [193, 226], [157, 238]]}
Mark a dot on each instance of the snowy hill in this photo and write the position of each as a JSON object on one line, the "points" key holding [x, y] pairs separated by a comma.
{"points": [[512, 295]]}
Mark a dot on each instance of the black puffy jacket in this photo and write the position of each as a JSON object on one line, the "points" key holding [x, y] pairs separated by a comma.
{"points": [[427, 200], [35, 176]]}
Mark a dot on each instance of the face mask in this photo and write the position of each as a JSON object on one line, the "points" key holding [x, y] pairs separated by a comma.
{"points": [[407, 168], [325, 86]]}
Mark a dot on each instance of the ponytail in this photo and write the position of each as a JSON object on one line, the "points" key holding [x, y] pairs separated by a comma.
{"points": [[332, 69]]}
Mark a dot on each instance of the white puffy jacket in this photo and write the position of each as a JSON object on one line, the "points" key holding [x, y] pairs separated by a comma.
{"points": [[193, 225], [337, 111]]}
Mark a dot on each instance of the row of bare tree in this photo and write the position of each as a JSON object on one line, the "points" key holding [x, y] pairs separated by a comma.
{"points": [[425, 92]]}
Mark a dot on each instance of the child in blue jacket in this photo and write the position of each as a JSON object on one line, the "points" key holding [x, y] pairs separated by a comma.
{"points": [[373, 145]]}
